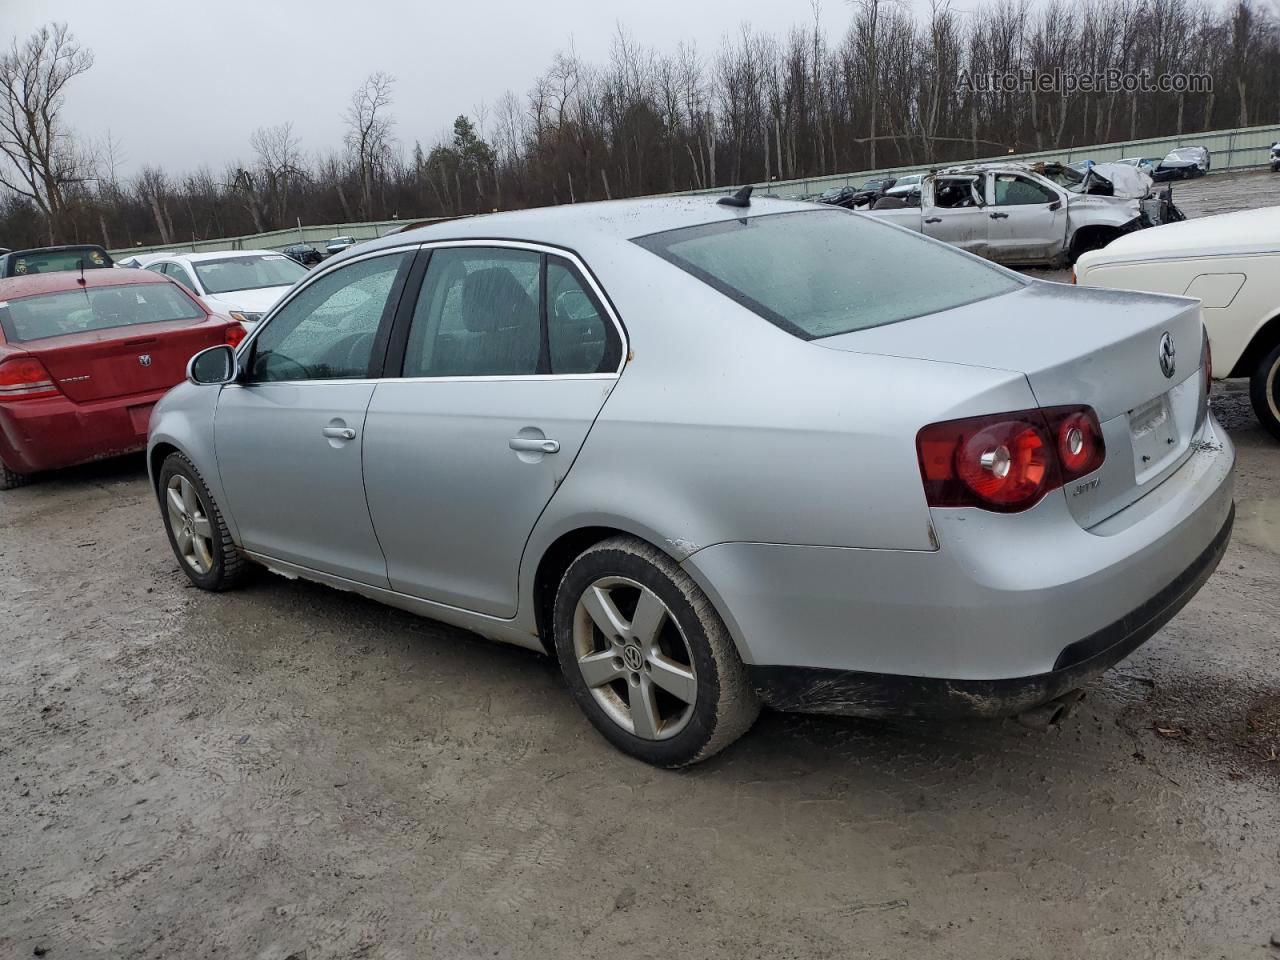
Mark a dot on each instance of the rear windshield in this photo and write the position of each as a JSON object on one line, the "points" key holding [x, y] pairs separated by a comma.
{"points": [[94, 308], [826, 272], [248, 273], [55, 261]]}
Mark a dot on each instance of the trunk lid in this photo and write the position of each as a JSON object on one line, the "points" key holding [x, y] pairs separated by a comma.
{"points": [[110, 363], [1077, 345]]}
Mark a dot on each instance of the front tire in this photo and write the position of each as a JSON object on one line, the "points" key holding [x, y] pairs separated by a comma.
{"points": [[647, 657], [197, 533], [1264, 391]]}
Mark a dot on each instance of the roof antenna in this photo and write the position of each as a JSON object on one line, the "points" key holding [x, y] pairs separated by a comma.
{"points": [[81, 281], [740, 199]]}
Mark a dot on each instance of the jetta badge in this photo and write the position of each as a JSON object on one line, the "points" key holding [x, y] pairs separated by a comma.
{"points": [[1167, 353], [145, 359]]}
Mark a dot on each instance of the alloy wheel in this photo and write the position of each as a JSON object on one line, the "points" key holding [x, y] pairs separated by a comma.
{"points": [[634, 658], [189, 520]]}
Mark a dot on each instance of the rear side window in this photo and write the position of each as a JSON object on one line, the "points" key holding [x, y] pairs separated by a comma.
{"points": [[94, 308], [497, 312], [826, 272]]}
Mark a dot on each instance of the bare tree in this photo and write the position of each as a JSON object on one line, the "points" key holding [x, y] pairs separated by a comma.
{"points": [[279, 168], [369, 132], [42, 157]]}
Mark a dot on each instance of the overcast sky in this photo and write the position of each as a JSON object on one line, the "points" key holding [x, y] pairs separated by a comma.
{"points": [[180, 84]]}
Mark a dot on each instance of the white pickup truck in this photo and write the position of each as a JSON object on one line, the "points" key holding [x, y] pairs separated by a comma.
{"points": [[1021, 215]]}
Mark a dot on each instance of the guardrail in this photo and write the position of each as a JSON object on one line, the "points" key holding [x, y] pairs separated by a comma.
{"points": [[316, 236], [1239, 149]]}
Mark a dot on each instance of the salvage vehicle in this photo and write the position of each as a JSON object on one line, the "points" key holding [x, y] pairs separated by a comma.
{"points": [[712, 454], [304, 253], [1231, 262], [338, 244], [1146, 164], [83, 357], [80, 256], [1275, 157], [242, 284], [1183, 163], [851, 197], [1015, 214]]}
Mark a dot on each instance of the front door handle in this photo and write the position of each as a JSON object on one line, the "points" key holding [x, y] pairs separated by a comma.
{"points": [[999, 216], [934, 220], [339, 433], [533, 445]]}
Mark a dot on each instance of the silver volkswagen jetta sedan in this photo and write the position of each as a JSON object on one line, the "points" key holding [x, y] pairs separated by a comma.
{"points": [[712, 456]]}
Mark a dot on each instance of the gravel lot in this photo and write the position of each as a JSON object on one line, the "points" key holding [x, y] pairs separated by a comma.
{"points": [[289, 771]]}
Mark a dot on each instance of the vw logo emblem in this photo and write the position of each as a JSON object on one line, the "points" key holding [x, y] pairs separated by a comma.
{"points": [[1167, 353], [145, 359], [632, 656]]}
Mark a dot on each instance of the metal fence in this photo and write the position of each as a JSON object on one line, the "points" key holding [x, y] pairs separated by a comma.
{"points": [[1241, 149], [316, 236]]}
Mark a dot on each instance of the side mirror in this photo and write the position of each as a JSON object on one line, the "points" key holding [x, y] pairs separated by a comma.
{"points": [[214, 366], [1056, 205]]}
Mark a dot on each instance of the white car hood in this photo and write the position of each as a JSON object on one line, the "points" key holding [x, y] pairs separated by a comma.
{"points": [[1126, 181], [246, 301]]}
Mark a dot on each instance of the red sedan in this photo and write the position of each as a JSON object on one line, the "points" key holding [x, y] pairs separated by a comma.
{"points": [[84, 356]]}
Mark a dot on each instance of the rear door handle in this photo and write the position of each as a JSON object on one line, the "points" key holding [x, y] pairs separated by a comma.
{"points": [[934, 220], [529, 445], [999, 216], [339, 433]]}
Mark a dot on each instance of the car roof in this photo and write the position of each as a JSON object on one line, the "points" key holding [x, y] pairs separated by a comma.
{"points": [[31, 285], [219, 255], [575, 224]]}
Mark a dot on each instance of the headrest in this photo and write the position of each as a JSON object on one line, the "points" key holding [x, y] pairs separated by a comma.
{"points": [[492, 299]]}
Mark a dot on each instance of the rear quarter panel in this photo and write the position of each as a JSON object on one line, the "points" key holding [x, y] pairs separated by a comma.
{"points": [[724, 428]]}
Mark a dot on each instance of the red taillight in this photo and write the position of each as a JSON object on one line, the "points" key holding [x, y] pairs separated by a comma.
{"points": [[1079, 437], [235, 333], [1009, 461], [25, 378]]}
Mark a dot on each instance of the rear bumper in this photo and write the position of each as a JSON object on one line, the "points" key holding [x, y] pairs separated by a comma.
{"points": [[37, 435], [1013, 606], [808, 690]]}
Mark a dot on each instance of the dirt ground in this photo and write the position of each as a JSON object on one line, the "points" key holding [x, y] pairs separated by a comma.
{"points": [[289, 771]]}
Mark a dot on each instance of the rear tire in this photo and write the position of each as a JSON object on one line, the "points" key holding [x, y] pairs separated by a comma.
{"points": [[197, 533], [663, 680], [10, 479], [1264, 391]]}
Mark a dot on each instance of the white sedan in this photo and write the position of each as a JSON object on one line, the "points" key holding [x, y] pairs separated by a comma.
{"points": [[1231, 262], [241, 284]]}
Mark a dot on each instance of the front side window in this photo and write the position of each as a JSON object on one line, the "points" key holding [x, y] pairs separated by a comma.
{"points": [[955, 193], [250, 272], [825, 272], [328, 330], [1013, 191], [477, 315], [95, 308]]}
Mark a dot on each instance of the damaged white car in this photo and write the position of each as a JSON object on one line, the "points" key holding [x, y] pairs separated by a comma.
{"points": [[1046, 214]]}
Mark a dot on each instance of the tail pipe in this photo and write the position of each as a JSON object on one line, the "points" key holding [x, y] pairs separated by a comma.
{"points": [[1050, 714]]}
